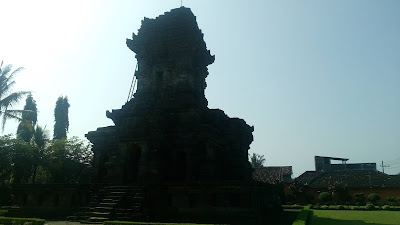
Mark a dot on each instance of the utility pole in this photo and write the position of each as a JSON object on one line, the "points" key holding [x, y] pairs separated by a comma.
{"points": [[383, 167]]}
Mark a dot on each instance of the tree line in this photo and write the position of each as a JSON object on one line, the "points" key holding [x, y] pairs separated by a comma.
{"points": [[32, 156]]}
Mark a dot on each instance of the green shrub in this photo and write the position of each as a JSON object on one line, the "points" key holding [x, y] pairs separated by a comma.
{"points": [[145, 223], [21, 221], [359, 198], [325, 197], [391, 200], [324, 207], [3, 212], [374, 198], [370, 207], [292, 206], [386, 207], [340, 207], [303, 217], [354, 208]]}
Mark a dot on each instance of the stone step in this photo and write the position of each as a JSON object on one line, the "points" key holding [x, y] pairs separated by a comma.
{"points": [[137, 199], [125, 218], [137, 194], [124, 210], [100, 214], [118, 192], [100, 209], [98, 219], [107, 204], [108, 200]]}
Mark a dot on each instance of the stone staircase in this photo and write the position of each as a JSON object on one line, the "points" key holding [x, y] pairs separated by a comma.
{"points": [[123, 203]]}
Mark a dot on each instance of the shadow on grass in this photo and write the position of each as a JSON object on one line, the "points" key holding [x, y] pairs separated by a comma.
{"points": [[316, 220], [286, 217]]}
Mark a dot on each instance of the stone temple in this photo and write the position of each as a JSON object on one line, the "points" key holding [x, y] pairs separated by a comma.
{"points": [[184, 161]]}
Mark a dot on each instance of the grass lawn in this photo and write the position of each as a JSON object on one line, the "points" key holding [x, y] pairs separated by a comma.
{"points": [[350, 217]]}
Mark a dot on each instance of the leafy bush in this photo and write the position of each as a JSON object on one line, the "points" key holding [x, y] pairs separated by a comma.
{"points": [[324, 207], [386, 207], [359, 198], [292, 206], [144, 223], [3, 212], [354, 208], [21, 221], [370, 207], [391, 200], [302, 217], [340, 207], [325, 197], [374, 198]]}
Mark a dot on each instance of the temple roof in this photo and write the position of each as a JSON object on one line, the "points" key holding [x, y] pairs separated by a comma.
{"points": [[349, 179], [169, 33]]}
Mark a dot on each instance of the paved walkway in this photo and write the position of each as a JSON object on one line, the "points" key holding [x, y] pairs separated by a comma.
{"points": [[62, 223]]}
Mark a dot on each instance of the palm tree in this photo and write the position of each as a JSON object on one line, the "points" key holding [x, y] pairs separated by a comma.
{"points": [[40, 141], [8, 98], [257, 160]]}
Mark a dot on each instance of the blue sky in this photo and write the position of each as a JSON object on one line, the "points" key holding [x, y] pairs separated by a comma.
{"points": [[312, 77]]}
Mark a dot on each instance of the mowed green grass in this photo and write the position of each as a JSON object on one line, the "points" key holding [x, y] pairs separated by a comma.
{"points": [[350, 217]]}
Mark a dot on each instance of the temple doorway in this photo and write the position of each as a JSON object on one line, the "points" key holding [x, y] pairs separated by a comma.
{"points": [[132, 164]]}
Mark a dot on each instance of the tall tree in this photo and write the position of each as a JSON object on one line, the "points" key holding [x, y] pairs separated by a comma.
{"points": [[26, 127], [61, 118], [8, 98], [257, 160], [40, 142]]}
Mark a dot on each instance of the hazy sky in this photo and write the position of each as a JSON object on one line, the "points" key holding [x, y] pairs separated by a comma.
{"points": [[312, 77]]}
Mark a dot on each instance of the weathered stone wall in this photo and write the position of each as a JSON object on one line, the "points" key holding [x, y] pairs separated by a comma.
{"points": [[50, 200]]}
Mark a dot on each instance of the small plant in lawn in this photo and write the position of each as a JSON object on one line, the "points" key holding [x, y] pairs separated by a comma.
{"points": [[325, 197], [374, 198], [370, 207]]}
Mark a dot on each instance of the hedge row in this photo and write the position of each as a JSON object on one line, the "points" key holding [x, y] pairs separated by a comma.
{"points": [[146, 223], [21, 221], [303, 217], [292, 206], [3, 212]]}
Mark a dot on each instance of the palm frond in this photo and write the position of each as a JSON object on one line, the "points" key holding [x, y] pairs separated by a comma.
{"points": [[6, 70], [11, 99], [10, 114], [41, 137], [5, 87], [15, 72]]}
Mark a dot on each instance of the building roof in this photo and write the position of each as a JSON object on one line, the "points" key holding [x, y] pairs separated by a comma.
{"points": [[332, 158], [349, 179], [273, 174]]}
